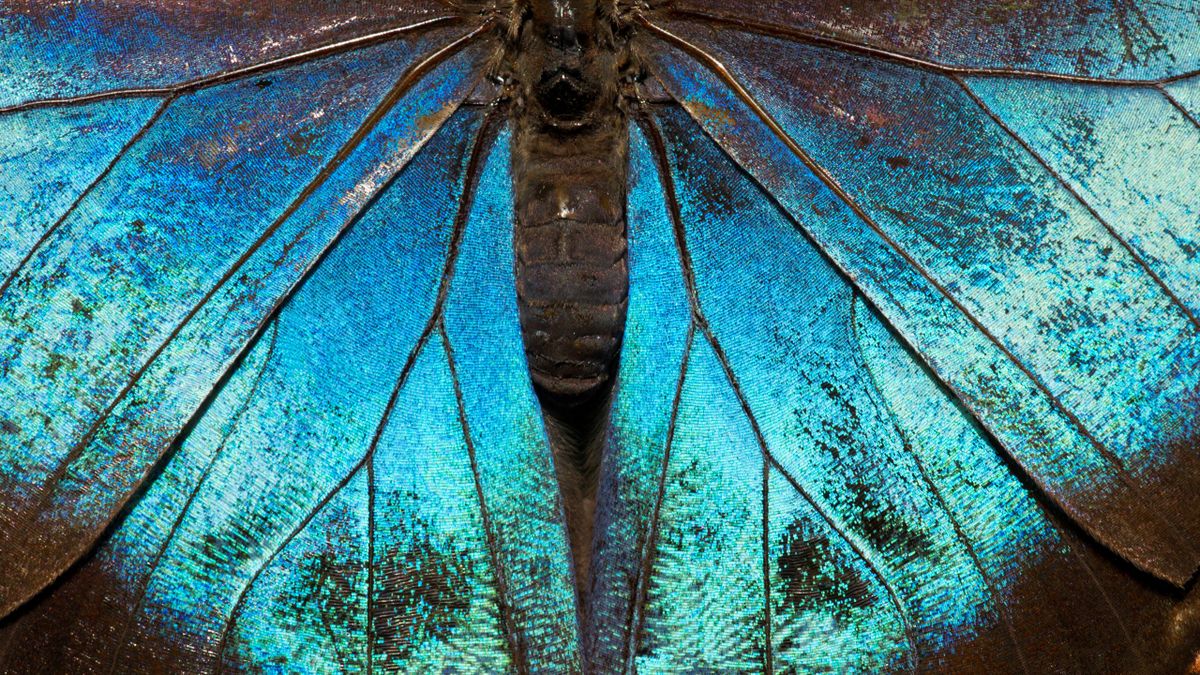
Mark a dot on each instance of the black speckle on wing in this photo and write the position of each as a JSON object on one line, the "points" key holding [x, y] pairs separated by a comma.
{"points": [[423, 592], [812, 576]]}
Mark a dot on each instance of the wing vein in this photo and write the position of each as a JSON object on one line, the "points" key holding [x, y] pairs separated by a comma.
{"points": [[202, 82], [658, 147], [514, 636], [1187, 115], [144, 586], [768, 616], [816, 39], [637, 615], [881, 403], [369, 622], [1066, 537], [718, 69]]}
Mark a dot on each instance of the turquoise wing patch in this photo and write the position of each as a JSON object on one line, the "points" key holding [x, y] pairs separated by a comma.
{"points": [[1070, 336], [325, 516], [803, 494]]}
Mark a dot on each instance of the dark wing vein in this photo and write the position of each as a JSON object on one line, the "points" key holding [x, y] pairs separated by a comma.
{"points": [[144, 584], [637, 611], [410, 77], [769, 652], [513, 635], [369, 622], [195, 84], [133, 140], [718, 69], [1178, 106], [658, 147], [808, 37], [1072, 546], [482, 143]]}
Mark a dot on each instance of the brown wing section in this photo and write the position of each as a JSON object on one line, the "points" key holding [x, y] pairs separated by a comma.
{"points": [[88, 47], [1110, 39]]}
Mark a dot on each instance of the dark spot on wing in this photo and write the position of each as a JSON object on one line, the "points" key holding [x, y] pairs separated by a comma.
{"points": [[333, 581], [56, 362], [235, 544], [77, 307], [897, 162], [814, 578], [884, 527], [300, 141], [422, 593]]}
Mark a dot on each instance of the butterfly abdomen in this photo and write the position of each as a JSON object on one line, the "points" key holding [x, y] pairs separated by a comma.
{"points": [[569, 170], [572, 274], [569, 158]]}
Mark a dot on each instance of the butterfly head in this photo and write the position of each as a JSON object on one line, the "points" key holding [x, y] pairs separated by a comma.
{"points": [[562, 61]]}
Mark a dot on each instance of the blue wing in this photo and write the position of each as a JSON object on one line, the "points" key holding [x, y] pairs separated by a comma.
{"points": [[155, 258], [348, 501], [978, 208], [94, 48], [786, 487], [1112, 39]]}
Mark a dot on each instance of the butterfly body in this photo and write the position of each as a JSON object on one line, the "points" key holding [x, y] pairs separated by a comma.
{"points": [[569, 168], [569, 181], [583, 336]]}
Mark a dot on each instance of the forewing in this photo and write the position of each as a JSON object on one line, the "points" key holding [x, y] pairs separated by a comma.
{"points": [[787, 487], [372, 489], [134, 294], [1116, 39], [87, 48], [984, 218]]}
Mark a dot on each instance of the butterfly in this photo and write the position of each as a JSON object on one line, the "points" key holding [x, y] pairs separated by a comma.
{"points": [[906, 337]]}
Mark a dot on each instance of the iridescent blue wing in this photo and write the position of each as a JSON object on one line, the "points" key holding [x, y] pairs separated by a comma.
{"points": [[1012, 188], [92, 49], [154, 230], [351, 500], [1114, 40], [788, 488]]}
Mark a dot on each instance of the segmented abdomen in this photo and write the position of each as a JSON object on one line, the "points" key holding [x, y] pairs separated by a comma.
{"points": [[572, 273]]}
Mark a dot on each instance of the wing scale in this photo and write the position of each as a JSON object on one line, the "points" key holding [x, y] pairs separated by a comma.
{"points": [[203, 279], [881, 203]]}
